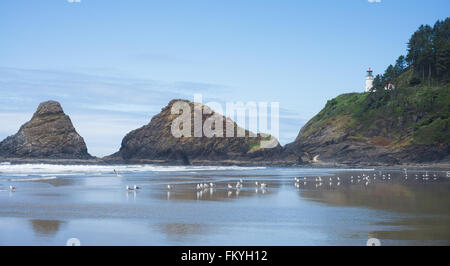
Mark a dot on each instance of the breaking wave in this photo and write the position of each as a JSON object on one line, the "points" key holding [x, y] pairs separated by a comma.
{"points": [[51, 169], [32, 179]]}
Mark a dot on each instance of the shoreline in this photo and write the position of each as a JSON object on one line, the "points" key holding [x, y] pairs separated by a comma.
{"points": [[287, 164]]}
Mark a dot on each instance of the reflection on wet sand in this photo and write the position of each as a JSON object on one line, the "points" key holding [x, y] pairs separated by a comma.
{"points": [[417, 230], [182, 232], [400, 197], [183, 228], [60, 182], [46, 227], [424, 199]]}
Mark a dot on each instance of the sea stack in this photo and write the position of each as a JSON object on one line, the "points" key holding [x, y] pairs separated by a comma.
{"points": [[155, 141], [48, 135]]}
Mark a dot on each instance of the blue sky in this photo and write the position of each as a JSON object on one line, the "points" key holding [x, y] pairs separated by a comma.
{"points": [[115, 64]]}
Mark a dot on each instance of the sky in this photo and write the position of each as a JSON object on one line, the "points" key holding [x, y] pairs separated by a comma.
{"points": [[114, 64]]}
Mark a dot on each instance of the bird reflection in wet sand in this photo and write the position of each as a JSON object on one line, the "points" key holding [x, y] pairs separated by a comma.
{"points": [[132, 192]]}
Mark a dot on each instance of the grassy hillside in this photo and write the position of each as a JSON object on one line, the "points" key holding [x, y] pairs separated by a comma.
{"points": [[393, 119]]}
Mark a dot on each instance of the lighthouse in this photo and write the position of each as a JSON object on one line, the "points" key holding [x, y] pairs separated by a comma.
{"points": [[369, 80]]}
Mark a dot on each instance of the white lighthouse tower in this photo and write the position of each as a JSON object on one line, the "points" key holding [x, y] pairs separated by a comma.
{"points": [[369, 80]]}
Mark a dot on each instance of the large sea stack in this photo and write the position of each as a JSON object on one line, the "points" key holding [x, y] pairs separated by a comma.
{"points": [[155, 141], [48, 135]]}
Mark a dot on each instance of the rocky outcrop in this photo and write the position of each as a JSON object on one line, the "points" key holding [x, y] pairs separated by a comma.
{"points": [[405, 126], [49, 134], [155, 141], [334, 143]]}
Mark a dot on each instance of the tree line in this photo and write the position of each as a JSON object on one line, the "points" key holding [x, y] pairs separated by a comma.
{"points": [[428, 57]]}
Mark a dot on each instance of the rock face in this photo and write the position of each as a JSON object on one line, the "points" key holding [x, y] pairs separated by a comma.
{"points": [[49, 134], [155, 141], [408, 125]]}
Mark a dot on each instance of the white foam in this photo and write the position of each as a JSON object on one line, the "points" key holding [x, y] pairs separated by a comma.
{"points": [[33, 179], [51, 169]]}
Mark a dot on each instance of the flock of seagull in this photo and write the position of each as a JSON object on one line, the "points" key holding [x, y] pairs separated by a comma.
{"points": [[206, 186], [298, 182], [317, 181], [363, 178]]}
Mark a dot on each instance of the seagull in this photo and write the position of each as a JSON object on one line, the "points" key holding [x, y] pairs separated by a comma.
{"points": [[129, 188], [12, 188], [212, 185], [117, 173], [169, 187], [311, 158], [263, 185], [230, 186], [256, 183], [136, 187], [316, 159]]}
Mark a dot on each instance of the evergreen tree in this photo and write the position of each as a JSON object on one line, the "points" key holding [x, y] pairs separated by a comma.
{"points": [[377, 82], [442, 47], [400, 65]]}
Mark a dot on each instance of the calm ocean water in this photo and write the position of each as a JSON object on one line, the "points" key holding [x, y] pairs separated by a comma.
{"points": [[53, 203]]}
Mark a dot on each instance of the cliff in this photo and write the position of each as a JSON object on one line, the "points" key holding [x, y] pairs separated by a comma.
{"points": [[387, 127]]}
